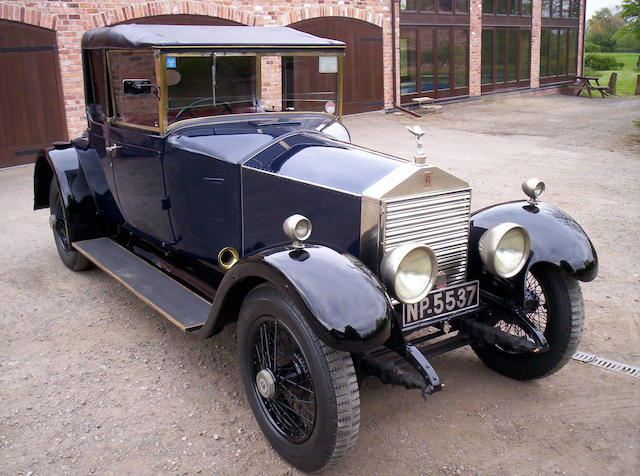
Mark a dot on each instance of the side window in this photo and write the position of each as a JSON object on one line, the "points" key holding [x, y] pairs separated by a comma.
{"points": [[97, 92], [139, 109]]}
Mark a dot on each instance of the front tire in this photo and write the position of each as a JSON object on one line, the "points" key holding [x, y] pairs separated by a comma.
{"points": [[554, 304], [70, 257], [303, 393]]}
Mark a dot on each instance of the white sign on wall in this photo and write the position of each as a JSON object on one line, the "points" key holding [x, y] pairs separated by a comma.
{"points": [[327, 64]]}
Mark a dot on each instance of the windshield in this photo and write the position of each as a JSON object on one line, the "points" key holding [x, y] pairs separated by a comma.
{"points": [[200, 85], [191, 91]]}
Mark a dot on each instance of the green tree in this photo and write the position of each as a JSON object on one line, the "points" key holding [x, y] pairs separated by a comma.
{"points": [[602, 27], [631, 15]]}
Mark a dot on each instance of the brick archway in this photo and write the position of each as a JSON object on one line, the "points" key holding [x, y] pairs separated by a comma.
{"points": [[27, 15], [157, 8], [308, 13]]}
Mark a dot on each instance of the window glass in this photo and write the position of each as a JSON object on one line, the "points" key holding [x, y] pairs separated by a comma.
{"points": [[526, 8], [553, 52], [445, 6], [487, 57], [555, 8], [407, 61], [514, 7], [461, 58], [307, 87], [487, 7], [565, 8], [409, 5], [428, 5], [525, 56], [443, 59], [512, 40], [462, 6], [140, 109], [546, 8], [573, 51], [500, 37], [501, 7], [426, 59], [544, 53], [562, 53], [574, 10], [99, 100]]}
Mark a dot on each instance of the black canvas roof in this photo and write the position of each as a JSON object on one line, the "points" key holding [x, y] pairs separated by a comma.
{"points": [[135, 36]]}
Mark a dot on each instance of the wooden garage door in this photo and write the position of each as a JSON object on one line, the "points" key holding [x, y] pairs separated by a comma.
{"points": [[31, 107], [363, 69], [182, 20]]}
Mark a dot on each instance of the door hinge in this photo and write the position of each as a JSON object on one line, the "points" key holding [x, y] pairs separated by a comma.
{"points": [[165, 203]]}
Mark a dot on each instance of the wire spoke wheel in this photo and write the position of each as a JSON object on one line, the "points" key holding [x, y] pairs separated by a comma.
{"points": [[536, 309], [283, 384]]}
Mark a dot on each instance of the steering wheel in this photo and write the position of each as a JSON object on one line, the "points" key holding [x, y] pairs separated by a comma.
{"points": [[226, 108]]}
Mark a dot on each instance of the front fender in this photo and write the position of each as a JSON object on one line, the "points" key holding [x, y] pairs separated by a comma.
{"points": [[556, 239], [343, 302]]}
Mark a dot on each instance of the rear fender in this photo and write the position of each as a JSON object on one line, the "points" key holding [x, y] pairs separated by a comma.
{"points": [[556, 240], [83, 220], [343, 302]]}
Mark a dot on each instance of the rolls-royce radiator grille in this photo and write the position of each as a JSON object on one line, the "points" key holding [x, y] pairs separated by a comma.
{"points": [[440, 221]]}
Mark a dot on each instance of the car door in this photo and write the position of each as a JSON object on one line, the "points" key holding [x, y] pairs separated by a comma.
{"points": [[135, 146]]}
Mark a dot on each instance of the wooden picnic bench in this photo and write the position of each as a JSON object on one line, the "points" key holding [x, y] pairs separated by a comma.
{"points": [[583, 83]]}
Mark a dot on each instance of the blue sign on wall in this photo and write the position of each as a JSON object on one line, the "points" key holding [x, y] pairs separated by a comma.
{"points": [[171, 62]]}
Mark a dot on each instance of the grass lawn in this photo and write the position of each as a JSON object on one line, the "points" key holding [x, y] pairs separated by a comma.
{"points": [[626, 76]]}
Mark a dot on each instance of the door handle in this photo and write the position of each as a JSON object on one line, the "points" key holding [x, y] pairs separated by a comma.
{"points": [[113, 148]]}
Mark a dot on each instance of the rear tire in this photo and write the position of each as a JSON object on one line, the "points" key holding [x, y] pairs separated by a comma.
{"points": [[558, 312], [303, 393], [70, 257]]}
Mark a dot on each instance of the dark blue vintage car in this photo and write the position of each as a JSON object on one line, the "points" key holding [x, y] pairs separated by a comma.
{"points": [[220, 198]]}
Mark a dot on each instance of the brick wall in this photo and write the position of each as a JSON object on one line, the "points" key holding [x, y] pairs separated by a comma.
{"points": [[70, 19], [536, 28]]}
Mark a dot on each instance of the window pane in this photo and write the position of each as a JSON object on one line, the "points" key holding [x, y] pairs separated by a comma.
{"points": [[555, 8], [526, 8], [502, 7], [428, 5], [544, 53], [408, 5], [98, 102], [511, 54], [514, 7], [562, 54], [565, 8], [445, 6], [553, 52], [546, 8], [426, 59], [461, 58], [141, 109], [407, 61], [499, 56], [487, 7], [574, 11], [487, 57], [573, 51], [462, 6], [443, 59], [525, 56]]}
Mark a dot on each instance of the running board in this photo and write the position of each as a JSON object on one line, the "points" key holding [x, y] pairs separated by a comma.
{"points": [[178, 304]]}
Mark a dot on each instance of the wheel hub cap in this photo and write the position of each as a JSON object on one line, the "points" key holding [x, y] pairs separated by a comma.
{"points": [[266, 383]]}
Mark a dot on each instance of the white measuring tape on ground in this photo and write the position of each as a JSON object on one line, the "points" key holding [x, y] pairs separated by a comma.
{"points": [[607, 364]]}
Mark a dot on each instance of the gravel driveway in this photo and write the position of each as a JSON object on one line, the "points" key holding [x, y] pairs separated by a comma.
{"points": [[94, 381]]}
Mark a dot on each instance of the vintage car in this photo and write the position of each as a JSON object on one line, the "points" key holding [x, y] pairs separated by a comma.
{"points": [[220, 198]]}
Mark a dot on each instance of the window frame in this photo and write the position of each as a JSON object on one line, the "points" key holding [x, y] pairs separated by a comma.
{"points": [[506, 84]]}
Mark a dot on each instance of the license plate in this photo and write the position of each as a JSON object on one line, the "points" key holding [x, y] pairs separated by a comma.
{"points": [[441, 303]]}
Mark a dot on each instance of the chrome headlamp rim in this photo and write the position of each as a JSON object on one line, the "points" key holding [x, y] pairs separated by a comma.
{"points": [[490, 241], [390, 265]]}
